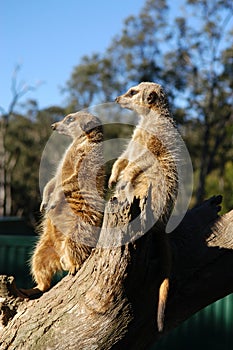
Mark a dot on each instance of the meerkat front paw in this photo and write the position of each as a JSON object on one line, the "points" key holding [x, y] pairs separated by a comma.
{"points": [[64, 264], [67, 265], [73, 270], [47, 206], [43, 206], [112, 181]]}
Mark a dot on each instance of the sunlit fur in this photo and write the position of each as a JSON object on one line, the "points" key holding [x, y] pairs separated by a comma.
{"points": [[72, 201], [150, 161]]}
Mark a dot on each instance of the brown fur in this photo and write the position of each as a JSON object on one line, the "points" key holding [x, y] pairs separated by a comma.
{"points": [[150, 161], [73, 202]]}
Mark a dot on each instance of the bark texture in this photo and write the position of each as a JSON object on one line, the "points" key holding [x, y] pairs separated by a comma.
{"points": [[111, 303]]}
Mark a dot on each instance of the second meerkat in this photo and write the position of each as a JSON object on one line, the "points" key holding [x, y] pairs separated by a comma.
{"points": [[72, 202], [150, 161]]}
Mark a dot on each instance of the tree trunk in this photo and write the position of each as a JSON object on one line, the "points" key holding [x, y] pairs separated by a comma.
{"points": [[111, 303]]}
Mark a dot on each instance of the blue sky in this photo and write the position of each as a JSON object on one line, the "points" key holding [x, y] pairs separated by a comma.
{"points": [[48, 38]]}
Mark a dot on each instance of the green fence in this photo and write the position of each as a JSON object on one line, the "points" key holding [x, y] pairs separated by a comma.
{"points": [[15, 252], [210, 328]]}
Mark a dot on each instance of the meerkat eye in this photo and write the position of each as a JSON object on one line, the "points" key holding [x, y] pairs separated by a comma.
{"points": [[132, 92], [69, 120]]}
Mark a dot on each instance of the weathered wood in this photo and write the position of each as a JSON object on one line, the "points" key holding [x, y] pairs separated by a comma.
{"points": [[10, 299], [111, 303]]}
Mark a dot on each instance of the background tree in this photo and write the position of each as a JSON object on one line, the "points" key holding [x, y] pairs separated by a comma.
{"points": [[201, 36], [8, 159], [192, 56], [27, 136], [93, 80], [22, 140]]}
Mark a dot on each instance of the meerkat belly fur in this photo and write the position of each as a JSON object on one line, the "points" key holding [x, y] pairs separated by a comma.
{"points": [[150, 161], [72, 201]]}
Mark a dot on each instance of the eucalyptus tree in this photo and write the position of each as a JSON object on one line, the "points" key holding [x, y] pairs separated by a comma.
{"points": [[189, 52]]}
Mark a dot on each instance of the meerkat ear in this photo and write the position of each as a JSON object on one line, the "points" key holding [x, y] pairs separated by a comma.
{"points": [[152, 97], [90, 125]]}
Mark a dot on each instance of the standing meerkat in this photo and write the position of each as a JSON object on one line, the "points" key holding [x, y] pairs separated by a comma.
{"points": [[73, 202], [149, 161]]}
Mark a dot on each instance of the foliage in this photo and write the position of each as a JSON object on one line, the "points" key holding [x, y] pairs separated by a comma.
{"points": [[190, 54], [26, 138]]}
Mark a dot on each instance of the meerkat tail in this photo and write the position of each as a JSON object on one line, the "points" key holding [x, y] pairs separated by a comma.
{"points": [[163, 294]]}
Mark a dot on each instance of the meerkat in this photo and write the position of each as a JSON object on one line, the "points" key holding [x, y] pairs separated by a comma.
{"points": [[150, 161], [72, 202]]}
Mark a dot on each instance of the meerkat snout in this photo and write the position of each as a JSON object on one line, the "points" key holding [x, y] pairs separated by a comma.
{"points": [[53, 126]]}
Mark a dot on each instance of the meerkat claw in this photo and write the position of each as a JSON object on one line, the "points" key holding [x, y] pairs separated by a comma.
{"points": [[111, 183], [43, 207]]}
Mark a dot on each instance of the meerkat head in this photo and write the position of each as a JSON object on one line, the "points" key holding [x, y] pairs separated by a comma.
{"points": [[144, 97], [78, 124]]}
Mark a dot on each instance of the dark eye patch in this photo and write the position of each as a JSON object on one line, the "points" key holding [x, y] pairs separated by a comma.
{"points": [[69, 120], [132, 92]]}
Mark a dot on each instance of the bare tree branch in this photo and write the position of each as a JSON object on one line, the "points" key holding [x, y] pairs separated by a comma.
{"points": [[6, 168]]}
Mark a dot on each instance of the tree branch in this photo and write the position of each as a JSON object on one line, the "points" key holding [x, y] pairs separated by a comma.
{"points": [[111, 302]]}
